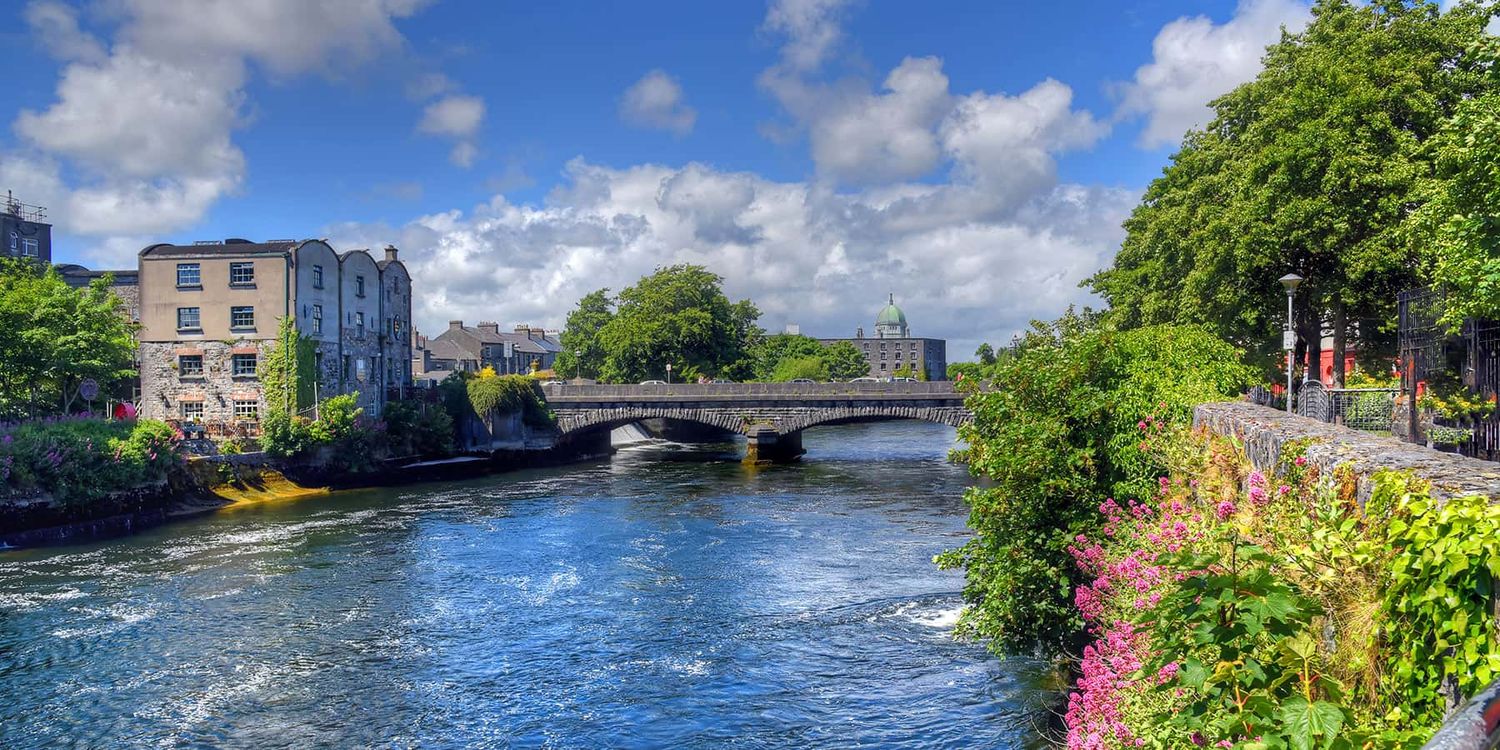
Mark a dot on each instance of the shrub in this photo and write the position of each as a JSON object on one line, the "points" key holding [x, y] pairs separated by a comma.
{"points": [[414, 428], [1056, 433], [78, 460], [509, 393]]}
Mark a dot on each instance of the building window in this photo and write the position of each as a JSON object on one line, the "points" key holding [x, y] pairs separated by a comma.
{"points": [[882, 367], [396, 328], [882, 357], [187, 319], [882, 346], [190, 365], [359, 369], [243, 365], [30, 248], [913, 346], [192, 411], [317, 319], [359, 325], [242, 317], [359, 286], [241, 274], [188, 274], [898, 354], [247, 410], [317, 277]]}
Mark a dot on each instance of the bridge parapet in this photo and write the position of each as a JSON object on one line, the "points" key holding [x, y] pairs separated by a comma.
{"points": [[746, 392]]}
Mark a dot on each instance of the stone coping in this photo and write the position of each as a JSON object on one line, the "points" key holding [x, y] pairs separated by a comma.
{"points": [[1264, 431], [937, 390]]}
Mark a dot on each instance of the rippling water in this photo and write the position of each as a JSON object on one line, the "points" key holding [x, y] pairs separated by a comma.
{"points": [[666, 598]]}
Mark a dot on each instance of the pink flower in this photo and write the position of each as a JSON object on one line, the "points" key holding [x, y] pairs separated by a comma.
{"points": [[1224, 509], [1301, 461]]}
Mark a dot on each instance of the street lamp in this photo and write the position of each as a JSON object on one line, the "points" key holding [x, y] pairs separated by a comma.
{"points": [[1288, 336], [669, 373]]}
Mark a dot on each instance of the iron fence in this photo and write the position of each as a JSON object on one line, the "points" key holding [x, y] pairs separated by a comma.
{"points": [[1368, 409]]}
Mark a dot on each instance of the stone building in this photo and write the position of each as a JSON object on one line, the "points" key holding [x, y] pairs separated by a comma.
{"points": [[509, 352], [25, 231], [209, 310], [894, 348]]}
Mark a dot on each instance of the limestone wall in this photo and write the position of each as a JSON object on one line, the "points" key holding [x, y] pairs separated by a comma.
{"points": [[1264, 431]]}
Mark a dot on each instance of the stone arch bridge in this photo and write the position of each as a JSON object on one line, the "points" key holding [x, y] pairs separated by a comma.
{"points": [[771, 416]]}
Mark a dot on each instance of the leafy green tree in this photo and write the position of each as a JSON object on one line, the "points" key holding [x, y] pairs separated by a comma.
{"points": [[985, 354], [1056, 435], [1460, 224], [678, 315], [794, 368], [845, 361], [771, 350], [904, 371], [1312, 167], [583, 353], [53, 336]]}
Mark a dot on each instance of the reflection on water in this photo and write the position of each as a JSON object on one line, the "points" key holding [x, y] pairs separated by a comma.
{"points": [[640, 602]]}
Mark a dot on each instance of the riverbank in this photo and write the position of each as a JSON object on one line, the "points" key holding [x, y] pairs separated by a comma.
{"points": [[204, 484]]}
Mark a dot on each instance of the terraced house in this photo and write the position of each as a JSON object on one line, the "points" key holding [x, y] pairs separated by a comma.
{"points": [[209, 311]]}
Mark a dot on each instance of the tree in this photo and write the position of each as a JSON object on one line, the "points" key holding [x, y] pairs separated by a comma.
{"points": [[770, 351], [678, 315], [1312, 167], [583, 353], [53, 337], [845, 361], [985, 354], [796, 368], [1460, 224]]}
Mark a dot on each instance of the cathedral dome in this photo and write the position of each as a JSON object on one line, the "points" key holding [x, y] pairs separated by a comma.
{"points": [[891, 315]]}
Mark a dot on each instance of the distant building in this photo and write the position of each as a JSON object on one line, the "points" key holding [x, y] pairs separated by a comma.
{"points": [[25, 231], [433, 360], [894, 348], [209, 311], [510, 352], [126, 284]]}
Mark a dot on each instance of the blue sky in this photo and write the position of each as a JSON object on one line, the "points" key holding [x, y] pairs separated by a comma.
{"points": [[973, 157]]}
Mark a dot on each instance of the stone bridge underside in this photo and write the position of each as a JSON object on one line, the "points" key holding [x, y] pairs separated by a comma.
{"points": [[771, 415]]}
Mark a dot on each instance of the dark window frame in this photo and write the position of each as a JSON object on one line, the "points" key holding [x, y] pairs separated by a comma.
{"points": [[238, 310], [197, 324], [235, 362], [197, 278], [184, 371], [242, 266]]}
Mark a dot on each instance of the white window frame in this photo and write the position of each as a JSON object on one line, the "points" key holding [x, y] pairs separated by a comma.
{"points": [[197, 314], [248, 268]]}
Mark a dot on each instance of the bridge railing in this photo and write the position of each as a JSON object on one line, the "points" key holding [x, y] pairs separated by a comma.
{"points": [[730, 390]]}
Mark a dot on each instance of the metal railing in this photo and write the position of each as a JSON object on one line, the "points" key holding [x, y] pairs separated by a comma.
{"points": [[1368, 409]]}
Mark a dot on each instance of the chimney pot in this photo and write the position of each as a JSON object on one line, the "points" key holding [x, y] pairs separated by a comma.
{"points": [[455, 325], [489, 327], [390, 252]]}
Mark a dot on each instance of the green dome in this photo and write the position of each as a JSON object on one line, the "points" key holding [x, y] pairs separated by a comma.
{"points": [[891, 315]]}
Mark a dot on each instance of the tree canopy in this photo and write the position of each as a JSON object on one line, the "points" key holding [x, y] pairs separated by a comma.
{"points": [[678, 315], [1313, 168], [53, 336]]}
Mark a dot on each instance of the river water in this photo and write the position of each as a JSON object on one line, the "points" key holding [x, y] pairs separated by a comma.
{"points": [[668, 597]]}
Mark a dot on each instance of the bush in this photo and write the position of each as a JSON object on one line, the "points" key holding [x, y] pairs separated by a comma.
{"points": [[793, 368], [414, 428], [78, 460], [1057, 433], [509, 393]]}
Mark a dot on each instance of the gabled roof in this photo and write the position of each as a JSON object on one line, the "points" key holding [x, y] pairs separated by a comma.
{"points": [[441, 349]]}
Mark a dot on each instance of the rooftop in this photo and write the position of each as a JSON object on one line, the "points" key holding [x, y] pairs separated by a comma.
{"points": [[233, 246]]}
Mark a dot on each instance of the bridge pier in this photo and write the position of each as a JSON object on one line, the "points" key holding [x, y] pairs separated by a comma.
{"points": [[765, 446]]}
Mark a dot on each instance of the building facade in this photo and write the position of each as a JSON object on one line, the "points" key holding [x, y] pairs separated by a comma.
{"points": [[515, 352], [209, 311], [894, 348], [25, 231]]}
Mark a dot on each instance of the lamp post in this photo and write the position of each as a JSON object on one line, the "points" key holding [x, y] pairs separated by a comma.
{"points": [[1289, 336]]}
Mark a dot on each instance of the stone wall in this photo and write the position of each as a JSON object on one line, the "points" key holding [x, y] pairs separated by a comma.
{"points": [[1264, 432], [164, 388], [745, 419]]}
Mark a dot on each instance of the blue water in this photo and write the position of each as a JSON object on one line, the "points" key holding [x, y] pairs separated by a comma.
{"points": [[668, 597]]}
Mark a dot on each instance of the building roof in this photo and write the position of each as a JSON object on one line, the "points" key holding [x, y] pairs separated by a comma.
{"points": [[891, 315], [443, 349], [76, 275], [232, 247]]}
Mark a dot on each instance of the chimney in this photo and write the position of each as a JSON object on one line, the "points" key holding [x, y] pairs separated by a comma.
{"points": [[390, 253], [488, 327], [859, 332], [455, 325]]}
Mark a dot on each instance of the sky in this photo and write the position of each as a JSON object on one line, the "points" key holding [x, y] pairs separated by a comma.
{"points": [[973, 158]]}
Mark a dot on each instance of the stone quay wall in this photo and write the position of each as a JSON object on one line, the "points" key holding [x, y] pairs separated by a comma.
{"points": [[1264, 432]]}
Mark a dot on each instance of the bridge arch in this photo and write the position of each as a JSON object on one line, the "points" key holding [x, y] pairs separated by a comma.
{"points": [[953, 416], [573, 422]]}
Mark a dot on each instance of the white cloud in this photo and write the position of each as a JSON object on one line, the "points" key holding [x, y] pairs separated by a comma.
{"points": [[148, 124], [456, 116], [811, 27], [887, 135], [655, 101], [1195, 61], [57, 26], [802, 252]]}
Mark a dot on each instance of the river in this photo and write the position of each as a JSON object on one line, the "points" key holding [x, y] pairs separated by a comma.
{"points": [[668, 597]]}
